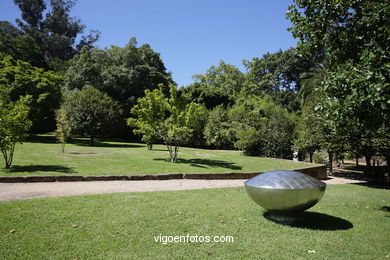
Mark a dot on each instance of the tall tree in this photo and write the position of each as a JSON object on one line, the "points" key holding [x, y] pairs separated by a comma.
{"points": [[123, 73], [57, 32], [218, 86], [352, 37], [278, 75]]}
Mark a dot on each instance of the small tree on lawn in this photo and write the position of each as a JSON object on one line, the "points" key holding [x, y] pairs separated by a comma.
{"points": [[14, 124], [91, 112], [170, 118], [64, 127]]}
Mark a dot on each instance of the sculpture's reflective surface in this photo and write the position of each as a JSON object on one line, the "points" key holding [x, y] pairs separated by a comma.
{"points": [[285, 193]]}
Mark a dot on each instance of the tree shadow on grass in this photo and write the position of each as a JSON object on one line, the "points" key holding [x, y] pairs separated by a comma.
{"points": [[384, 208], [46, 139], [40, 168], [104, 144], [205, 163], [318, 221]]}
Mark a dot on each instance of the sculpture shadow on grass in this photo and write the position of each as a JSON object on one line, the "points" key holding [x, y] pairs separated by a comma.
{"points": [[318, 221], [205, 163], [40, 168]]}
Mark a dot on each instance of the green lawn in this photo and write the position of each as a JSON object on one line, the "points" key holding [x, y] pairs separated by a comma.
{"points": [[43, 156], [351, 222]]}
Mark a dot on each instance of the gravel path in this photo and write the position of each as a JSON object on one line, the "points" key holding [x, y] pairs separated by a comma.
{"points": [[19, 191]]}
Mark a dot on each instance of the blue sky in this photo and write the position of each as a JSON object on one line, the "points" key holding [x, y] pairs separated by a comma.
{"points": [[191, 35]]}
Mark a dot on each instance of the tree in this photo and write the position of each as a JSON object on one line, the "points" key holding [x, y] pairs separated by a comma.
{"points": [[22, 47], [216, 131], [311, 81], [14, 123], [218, 86], [262, 127], [277, 75], [9, 29], [43, 87], [64, 128], [169, 117], [197, 125], [91, 112], [123, 73], [308, 131], [352, 37], [57, 32]]}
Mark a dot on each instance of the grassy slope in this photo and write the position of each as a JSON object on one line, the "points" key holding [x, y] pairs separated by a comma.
{"points": [[353, 222], [44, 157]]}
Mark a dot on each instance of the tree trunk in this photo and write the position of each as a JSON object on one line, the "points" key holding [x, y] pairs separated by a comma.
{"points": [[330, 155], [387, 157], [357, 162], [368, 162], [91, 141], [8, 155], [311, 156]]}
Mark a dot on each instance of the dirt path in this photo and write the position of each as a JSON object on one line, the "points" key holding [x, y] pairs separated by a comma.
{"points": [[19, 191]]}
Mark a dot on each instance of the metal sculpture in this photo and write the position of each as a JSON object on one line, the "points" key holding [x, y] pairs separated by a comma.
{"points": [[285, 194]]}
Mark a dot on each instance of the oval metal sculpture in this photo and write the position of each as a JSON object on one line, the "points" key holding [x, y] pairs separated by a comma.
{"points": [[285, 194]]}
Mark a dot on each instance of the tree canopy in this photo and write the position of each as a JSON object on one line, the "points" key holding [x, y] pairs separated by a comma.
{"points": [[56, 32], [91, 112], [43, 87], [172, 117], [123, 73], [14, 122]]}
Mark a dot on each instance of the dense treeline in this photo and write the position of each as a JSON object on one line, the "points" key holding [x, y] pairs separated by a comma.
{"points": [[330, 93]]}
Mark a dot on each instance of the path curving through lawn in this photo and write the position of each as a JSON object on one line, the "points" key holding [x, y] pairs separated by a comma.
{"points": [[20, 191]]}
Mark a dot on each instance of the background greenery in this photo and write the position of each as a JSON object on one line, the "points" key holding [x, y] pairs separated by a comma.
{"points": [[329, 93]]}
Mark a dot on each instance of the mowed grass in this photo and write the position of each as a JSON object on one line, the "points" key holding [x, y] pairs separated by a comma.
{"points": [[43, 156], [350, 222]]}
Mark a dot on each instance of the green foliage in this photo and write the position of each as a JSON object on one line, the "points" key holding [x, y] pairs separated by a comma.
{"points": [[352, 37], [197, 123], [342, 30], [311, 82], [218, 86], [64, 128], [270, 126], [43, 87], [278, 75], [14, 123], [171, 118], [255, 125], [216, 131], [22, 47], [150, 139], [123, 73], [91, 112], [56, 32], [357, 107], [309, 130], [249, 141]]}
